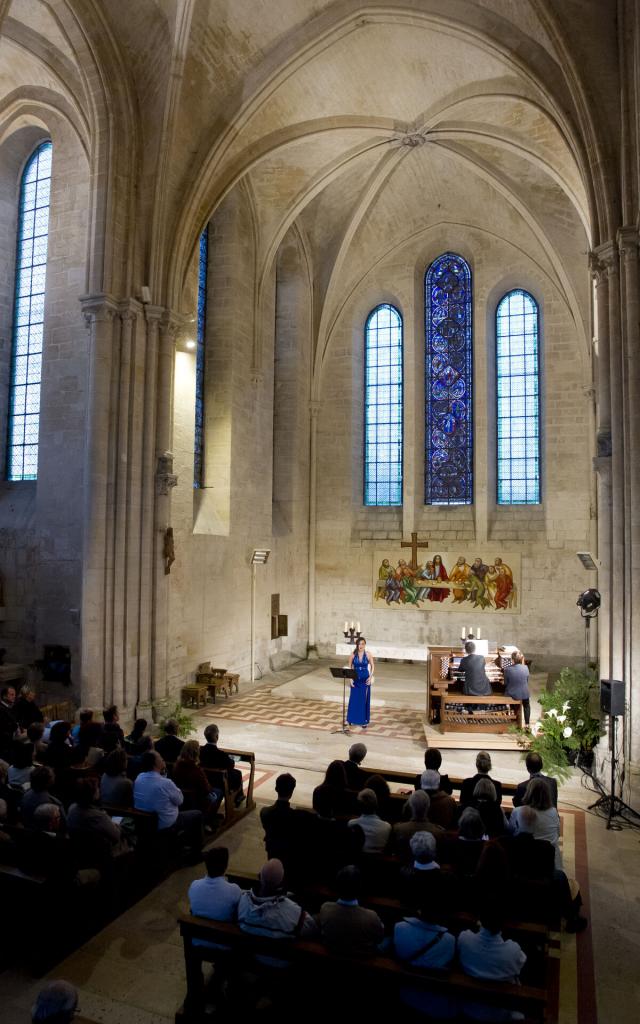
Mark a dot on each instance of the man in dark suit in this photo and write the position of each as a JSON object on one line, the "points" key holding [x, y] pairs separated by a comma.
{"points": [[8, 720], [285, 828], [212, 757], [476, 683], [432, 762], [483, 764], [169, 745], [356, 776], [534, 765]]}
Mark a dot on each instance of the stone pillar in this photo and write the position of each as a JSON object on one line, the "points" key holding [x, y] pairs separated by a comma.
{"points": [[602, 463], [153, 315], [99, 312], [617, 592], [314, 409]]}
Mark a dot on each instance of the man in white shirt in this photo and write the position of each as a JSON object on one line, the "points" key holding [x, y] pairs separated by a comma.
{"points": [[485, 954], [213, 896], [152, 791], [376, 831]]}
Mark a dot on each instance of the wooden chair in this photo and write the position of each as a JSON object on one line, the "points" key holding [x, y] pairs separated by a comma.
{"points": [[213, 678]]}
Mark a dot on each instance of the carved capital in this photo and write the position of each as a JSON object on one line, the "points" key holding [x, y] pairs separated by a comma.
{"points": [[628, 240], [256, 376], [165, 477], [603, 444], [98, 308], [314, 408]]}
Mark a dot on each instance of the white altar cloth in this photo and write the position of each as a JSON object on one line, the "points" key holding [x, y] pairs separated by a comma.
{"points": [[385, 649]]}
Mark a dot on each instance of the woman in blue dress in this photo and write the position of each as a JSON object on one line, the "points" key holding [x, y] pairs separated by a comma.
{"points": [[358, 712]]}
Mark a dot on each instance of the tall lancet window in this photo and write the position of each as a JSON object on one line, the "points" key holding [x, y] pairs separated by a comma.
{"points": [[28, 320], [448, 384], [198, 460], [383, 407], [518, 399]]}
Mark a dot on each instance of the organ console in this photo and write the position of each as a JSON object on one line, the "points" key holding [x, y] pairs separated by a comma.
{"points": [[455, 712]]}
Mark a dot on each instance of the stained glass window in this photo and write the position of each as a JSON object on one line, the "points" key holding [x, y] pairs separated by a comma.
{"points": [[28, 321], [198, 462], [448, 385], [518, 402], [383, 407]]}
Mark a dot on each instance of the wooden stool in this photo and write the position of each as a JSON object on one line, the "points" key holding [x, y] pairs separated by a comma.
{"points": [[217, 684], [195, 693], [232, 680]]}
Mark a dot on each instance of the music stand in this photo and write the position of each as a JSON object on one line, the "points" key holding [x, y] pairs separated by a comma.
{"points": [[344, 674]]}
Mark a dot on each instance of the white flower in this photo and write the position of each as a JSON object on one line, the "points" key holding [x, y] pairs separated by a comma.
{"points": [[567, 732], [562, 718], [536, 728], [566, 706], [579, 722], [552, 712]]}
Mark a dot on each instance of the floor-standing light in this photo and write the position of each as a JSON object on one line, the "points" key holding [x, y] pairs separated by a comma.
{"points": [[260, 556]]}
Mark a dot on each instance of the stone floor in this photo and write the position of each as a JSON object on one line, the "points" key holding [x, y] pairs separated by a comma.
{"points": [[133, 970]]}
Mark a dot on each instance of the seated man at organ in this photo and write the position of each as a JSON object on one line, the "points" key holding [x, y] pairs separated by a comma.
{"points": [[476, 683]]}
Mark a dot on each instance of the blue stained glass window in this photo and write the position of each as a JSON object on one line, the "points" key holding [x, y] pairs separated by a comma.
{"points": [[383, 407], [198, 462], [518, 402], [448, 385], [28, 321]]}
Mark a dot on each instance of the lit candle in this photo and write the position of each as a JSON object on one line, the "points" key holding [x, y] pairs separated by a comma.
{"points": [[346, 627], [357, 627], [478, 632], [352, 624], [463, 633]]}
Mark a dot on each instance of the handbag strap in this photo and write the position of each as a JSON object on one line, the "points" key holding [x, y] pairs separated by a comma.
{"points": [[429, 945]]}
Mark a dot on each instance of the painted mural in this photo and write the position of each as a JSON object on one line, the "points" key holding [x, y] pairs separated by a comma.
{"points": [[448, 581]]}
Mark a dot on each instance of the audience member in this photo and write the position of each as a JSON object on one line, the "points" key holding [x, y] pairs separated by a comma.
{"points": [[345, 926], [443, 809], [188, 775], [56, 1003], [547, 820], [86, 818], [134, 761], [21, 764], [60, 755], [115, 787], [113, 735], [483, 764], [485, 801], [12, 797], [463, 851], [418, 808], [485, 954], [133, 739], [421, 941], [280, 822], [421, 880], [85, 716], [90, 745], [35, 734], [42, 779], [25, 708], [534, 764], [376, 831], [330, 798], [432, 762], [212, 757], [356, 776], [8, 722], [170, 745], [269, 912], [152, 791], [381, 788], [213, 896]]}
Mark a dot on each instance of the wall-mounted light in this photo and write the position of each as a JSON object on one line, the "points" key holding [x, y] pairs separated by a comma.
{"points": [[588, 561], [190, 344], [260, 556]]}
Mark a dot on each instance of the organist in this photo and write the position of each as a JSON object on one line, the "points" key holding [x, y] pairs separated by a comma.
{"points": [[475, 682]]}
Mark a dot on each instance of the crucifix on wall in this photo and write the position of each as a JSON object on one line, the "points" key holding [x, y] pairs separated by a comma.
{"points": [[414, 544]]}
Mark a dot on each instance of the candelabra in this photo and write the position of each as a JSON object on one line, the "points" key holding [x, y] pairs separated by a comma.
{"points": [[351, 635]]}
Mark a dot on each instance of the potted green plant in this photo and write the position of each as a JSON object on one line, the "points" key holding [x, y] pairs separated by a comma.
{"points": [[185, 724]]}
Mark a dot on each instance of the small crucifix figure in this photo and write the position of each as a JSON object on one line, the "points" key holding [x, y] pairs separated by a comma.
{"points": [[414, 544]]}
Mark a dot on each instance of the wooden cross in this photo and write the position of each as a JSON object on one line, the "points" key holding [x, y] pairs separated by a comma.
{"points": [[414, 544]]}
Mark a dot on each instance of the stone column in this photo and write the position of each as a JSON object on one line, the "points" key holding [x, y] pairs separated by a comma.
{"points": [[314, 409], [617, 592], [99, 312]]}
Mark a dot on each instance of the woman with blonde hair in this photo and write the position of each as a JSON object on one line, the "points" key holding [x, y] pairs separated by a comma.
{"points": [[190, 778]]}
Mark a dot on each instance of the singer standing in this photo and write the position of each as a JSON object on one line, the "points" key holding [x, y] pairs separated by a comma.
{"points": [[359, 710]]}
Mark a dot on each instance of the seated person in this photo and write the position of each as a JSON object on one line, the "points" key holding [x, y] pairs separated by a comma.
{"points": [[282, 824], [12, 797], [169, 745], [90, 745], [516, 683], [418, 806], [42, 780], [269, 912], [44, 847], [381, 788], [25, 708], [213, 896], [35, 736], [133, 739], [377, 832], [331, 795], [443, 810], [534, 765], [188, 775], [345, 926], [485, 954], [485, 801], [421, 941], [115, 787], [86, 818], [152, 791], [547, 820], [9, 728], [60, 754], [8, 849], [134, 761], [113, 735], [212, 757], [418, 882], [84, 717], [57, 1003], [463, 851], [476, 682], [356, 776], [432, 762], [483, 765], [21, 763]]}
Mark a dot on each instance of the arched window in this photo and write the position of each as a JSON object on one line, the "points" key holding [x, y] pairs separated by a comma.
{"points": [[383, 407], [518, 401], [448, 385], [28, 321], [198, 444]]}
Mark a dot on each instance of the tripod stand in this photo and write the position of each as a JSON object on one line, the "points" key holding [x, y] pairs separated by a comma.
{"points": [[344, 674], [609, 801]]}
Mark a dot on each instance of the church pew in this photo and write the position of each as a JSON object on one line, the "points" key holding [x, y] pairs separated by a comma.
{"points": [[409, 778], [324, 970]]}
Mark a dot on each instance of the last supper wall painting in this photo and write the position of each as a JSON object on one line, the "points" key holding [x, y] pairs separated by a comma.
{"points": [[457, 580]]}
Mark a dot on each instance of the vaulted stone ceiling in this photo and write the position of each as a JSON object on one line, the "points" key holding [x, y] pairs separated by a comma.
{"points": [[364, 124]]}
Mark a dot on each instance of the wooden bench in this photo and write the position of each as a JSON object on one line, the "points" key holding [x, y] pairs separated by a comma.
{"points": [[195, 694], [324, 969], [214, 679], [218, 778], [409, 778]]}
